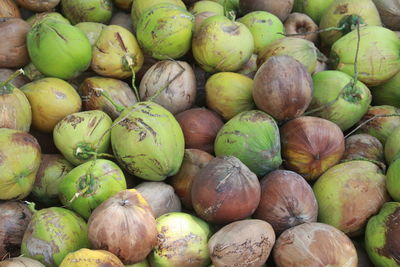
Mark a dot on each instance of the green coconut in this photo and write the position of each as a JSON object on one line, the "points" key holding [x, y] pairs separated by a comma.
{"points": [[393, 178], [139, 7], [148, 141], [392, 146], [229, 94], [92, 30], [382, 236], [39, 17], [52, 234], [265, 28], [387, 93], [302, 50], [58, 49], [165, 31], [19, 162], [207, 6], [253, 137], [380, 127], [178, 231], [231, 47], [90, 184], [52, 171], [335, 98], [87, 11], [348, 194], [345, 14], [81, 135], [378, 55], [231, 7], [15, 110], [315, 9]]}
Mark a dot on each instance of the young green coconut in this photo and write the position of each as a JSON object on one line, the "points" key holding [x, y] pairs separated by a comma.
{"points": [[87, 11]]}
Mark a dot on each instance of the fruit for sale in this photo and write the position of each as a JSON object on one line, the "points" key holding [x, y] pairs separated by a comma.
{"points": [[226, 247], [281, 9], [390, 12], [253, 138], [14, 219], [225, 190], [92, 30], [282, 88], [125, 226], [315, 9], [165, 31], [9, 9], [181, 241], [148, 141], [58, 49], [52, 234], [51, 100], [52, 171], [229, 93], [348, 194], [19, 162], [265, 28], [117, 53], [171, 84], [20, 262], [387, 93], [91, 258], [378, 57], [13, 50], [38, 6], [339, 99], [87, 11], [231, 48], [302, 25], [381, 240], [345, 14], [364, 146]]}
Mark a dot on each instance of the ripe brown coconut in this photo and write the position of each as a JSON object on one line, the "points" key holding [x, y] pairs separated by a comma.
{"points": [[390, 13], [363, 146], [247, 242], [200, 127], [281, 8], [299, 23], [314, 245], [13, 49], [38, 6], [282, 88], [287, 200], [14, 219], [8, 9], [225, 190], [311, 145]]}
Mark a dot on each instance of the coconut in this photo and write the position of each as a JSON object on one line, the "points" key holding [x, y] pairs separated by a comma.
{"points": [[280, 9], [303, 25], [50, 242], [87, 11], [117, 53], [231, 48], [107, 94], [280, 96], [13, 52], [165, 31], [148, 141], [265, 28], [229, 93], [387, 93], [14, 219], [339, 99], [390, 12], [81, 135], [206, 6], [248, 242], [39, 17], [181, 241], [19, 162], [302, 50], [345, 14], [252, 137], [20, 262], [92, 30], [315, 9], [51, 100], [88, 185], [378, 61], [348, 194], [52, 170], [38, 6], [9, 9], [58, 49], [122, 19], [381, 240], [86, 256], [172, 84], [364, 146]]}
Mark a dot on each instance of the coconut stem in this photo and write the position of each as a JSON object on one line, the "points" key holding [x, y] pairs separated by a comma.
{"points": [[3, 87], [355, 77], [371, 119], [31, 206], [106, 155], [101, 92], [131, 65], [318, 31]]}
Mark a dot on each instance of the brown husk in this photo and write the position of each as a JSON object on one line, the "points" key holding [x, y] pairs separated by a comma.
{"points": [[38, 6], [298, 23], [8, 9], [281, 9]]}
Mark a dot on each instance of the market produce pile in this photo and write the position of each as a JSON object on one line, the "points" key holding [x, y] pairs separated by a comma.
{"points": [[226, 133]]}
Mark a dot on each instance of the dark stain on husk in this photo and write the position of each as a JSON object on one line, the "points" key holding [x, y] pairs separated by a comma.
{"points": [[391, 248]]}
